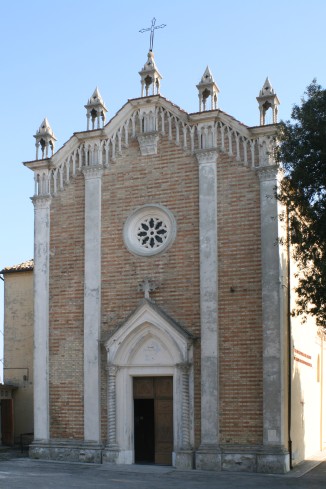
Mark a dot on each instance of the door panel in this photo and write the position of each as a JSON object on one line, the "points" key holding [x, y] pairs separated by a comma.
{"points": [[143, 388], [153, 419], [163, 431], [163, 387], [144, 430]]}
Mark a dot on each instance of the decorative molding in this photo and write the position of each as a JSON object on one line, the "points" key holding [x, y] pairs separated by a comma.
{"points": [[148, 143], [206, 156], [148, 343], [267, 172], [95, 171], [184, 369], [41, 201], [112, 371], [251, 147]]}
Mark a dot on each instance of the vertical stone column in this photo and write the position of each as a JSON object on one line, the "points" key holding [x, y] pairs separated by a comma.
{"points": [[92, 303], [41, 316], [275, 457], [184, 454], [185, 406], [111, 452], [208, 456], [111, 400]]}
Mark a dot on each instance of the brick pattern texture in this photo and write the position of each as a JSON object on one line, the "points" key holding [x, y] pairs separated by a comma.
{"points": [[169, 178]]}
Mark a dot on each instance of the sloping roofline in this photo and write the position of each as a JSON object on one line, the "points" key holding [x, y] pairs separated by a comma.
{"points": [[26, 266]]}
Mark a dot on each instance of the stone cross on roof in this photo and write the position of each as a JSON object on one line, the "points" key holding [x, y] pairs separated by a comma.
{"points": [[147, 286]]}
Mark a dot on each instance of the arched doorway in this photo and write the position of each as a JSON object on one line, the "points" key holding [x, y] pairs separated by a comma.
{"points": [[149, 345]]}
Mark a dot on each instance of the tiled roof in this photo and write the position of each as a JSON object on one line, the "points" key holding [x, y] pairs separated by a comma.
{"points": [[26, 266]]}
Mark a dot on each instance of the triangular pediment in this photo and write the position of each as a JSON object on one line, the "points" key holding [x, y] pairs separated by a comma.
{"points": [[148, 335]]}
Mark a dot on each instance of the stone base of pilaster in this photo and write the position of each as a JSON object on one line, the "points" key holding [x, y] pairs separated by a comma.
{"points": [[67, 451], [111, 454], [208, 457], [184, 459], [273, 460], [248, 458]]}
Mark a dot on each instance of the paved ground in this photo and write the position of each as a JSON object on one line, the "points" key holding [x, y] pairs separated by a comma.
{"points": [[24, 473]]}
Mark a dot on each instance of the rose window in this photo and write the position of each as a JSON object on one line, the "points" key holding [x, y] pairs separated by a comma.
{"points": [[149, 230], [152, 232]]}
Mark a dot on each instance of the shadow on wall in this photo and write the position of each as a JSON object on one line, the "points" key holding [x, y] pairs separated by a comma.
{"points": [[297, 417], [307, 417]]}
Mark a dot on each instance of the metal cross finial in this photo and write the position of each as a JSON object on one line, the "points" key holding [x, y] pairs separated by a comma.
{"points": [[152, 29]]}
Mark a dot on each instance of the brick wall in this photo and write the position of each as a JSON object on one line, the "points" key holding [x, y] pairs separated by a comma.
{"points": [[240, 316], [169, 178], [66, 312]]}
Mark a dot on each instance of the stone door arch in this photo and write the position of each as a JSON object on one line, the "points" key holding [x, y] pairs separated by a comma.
{"points": [[151, 344]]}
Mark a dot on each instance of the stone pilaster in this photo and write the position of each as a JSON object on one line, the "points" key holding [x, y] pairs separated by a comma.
{"points": [[92, 302], [112, 413], [41, 316], [275, 457], [184, 456], [184, 367], [208, 456], [111, 451]]}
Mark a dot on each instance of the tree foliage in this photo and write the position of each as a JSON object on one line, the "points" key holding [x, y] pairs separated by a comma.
{"points": [[302, 155]]}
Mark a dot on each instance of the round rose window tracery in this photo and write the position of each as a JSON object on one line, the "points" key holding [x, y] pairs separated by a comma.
{"points": [[152, 232], [149, 230]]}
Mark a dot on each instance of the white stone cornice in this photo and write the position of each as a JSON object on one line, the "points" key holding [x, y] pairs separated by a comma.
{"points": [[148, 143], [206, 156], [37, 165]]}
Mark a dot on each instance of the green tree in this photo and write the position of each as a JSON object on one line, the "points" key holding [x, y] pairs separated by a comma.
{"points": [[302, 155]]}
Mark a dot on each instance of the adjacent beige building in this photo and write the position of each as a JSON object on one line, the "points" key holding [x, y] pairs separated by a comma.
{"points": [[16, 396]]}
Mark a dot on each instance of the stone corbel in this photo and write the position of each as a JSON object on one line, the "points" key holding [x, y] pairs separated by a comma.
{"points": [[148, 143]]}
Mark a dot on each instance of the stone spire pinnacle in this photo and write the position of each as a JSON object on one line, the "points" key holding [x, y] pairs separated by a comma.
{"points": [[150, 77], [45, 139], [96, 110], [267, 99], [207, 88]]}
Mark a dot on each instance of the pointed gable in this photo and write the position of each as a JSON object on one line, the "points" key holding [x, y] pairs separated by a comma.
{"points": [[148, 331]]}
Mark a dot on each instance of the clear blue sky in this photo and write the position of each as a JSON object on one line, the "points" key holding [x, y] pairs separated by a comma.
{"points": [[53, 55]]}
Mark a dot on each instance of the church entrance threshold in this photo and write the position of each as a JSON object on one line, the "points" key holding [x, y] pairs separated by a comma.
{"points": [[153, 419]]}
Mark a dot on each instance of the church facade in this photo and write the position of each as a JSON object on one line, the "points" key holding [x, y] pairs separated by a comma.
{"points": [[160, 308]]}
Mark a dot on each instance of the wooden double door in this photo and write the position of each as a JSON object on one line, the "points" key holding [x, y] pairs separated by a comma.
{"points": [[153, 419]]}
